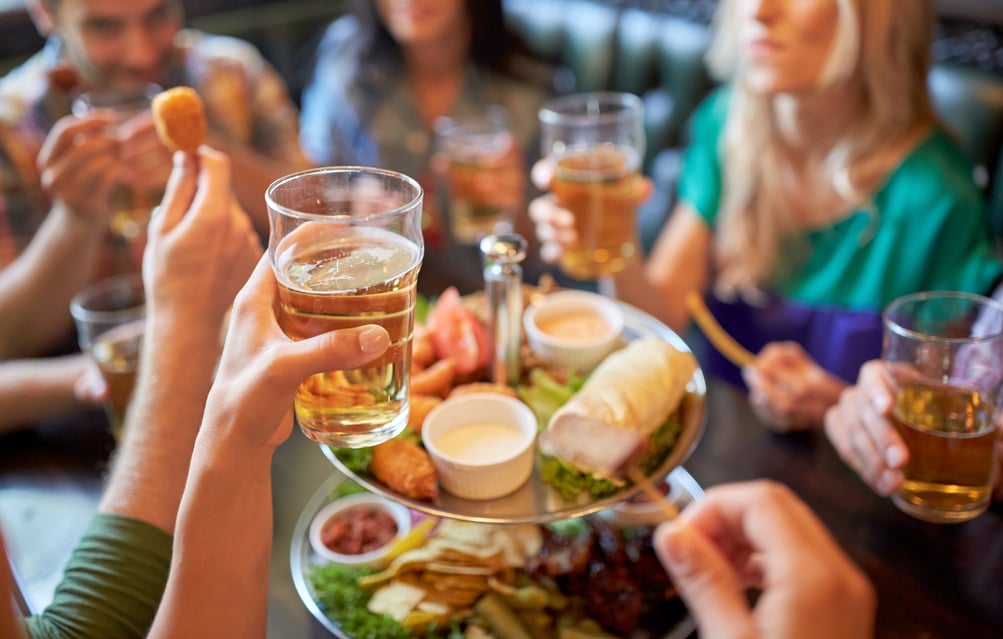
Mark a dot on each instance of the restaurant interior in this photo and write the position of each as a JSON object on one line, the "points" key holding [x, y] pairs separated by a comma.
{"points": [[932, 581]]}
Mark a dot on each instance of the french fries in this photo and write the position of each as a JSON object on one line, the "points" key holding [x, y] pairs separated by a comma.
{"points": [[724, 343]]}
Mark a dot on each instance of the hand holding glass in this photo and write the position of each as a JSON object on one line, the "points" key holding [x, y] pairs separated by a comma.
{"points": [[595, 142], [132, 206], [346, 247], [477, 150], [945, 352]]}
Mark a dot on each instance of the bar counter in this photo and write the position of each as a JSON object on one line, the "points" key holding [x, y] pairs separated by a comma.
{"points": [[933, 581]]}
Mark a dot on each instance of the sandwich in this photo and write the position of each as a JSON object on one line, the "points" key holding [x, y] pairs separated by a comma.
{"points": [[624, 415]]}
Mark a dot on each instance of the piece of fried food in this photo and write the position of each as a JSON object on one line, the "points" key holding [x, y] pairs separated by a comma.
{"points": [[483, 387], [404, 466], [420, 407], [179, 117]]}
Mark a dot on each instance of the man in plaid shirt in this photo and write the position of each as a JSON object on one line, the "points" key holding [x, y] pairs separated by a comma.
{"points": [[57, 170]]}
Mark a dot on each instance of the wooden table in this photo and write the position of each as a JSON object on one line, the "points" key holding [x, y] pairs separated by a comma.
{"points": [[933, 581]]}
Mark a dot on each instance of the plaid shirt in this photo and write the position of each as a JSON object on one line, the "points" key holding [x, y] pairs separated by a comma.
{"points": [[246, 101]]}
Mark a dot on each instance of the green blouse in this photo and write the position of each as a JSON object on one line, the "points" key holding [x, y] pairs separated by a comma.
{"points": [[925, 229]]}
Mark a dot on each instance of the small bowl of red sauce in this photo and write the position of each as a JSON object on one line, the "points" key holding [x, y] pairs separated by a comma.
{"points": [[359, 529], [573, 330]]}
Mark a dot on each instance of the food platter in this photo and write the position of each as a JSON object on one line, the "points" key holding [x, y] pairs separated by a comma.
{"points": [[683, 490], [536, 501]]}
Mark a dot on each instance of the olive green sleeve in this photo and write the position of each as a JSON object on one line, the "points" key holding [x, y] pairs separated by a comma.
{"points": [[112, 584]]}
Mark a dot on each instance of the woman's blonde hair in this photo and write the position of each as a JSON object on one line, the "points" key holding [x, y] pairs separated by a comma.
{"points": [[882, 47]]}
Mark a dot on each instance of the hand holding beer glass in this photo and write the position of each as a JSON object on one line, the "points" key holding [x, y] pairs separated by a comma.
{"points": [[346, 247], [944, 350], [479, 152], [594, 143], [142, 186]]}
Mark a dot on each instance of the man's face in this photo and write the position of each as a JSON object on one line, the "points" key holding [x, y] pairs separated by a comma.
{"points": [[118, 43]]}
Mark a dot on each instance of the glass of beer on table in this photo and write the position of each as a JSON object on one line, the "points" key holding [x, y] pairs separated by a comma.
{"points": [[595, 142], [110, 318], [346, 247], [476, 148], [945, 352]]}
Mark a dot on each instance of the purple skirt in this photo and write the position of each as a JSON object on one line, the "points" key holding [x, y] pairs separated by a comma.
{"points": [[839, 340]]}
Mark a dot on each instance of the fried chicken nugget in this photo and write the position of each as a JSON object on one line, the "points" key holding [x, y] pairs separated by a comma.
{"points": [[405, 467], [420, 407], [179, 117], [483, 387], [436, 380]]}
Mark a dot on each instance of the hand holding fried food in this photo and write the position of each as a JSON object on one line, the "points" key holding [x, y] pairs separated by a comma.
{"points": [[179, 117], [406, 468]]}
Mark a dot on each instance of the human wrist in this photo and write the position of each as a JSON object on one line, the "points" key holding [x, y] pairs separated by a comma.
{"points": [[75, 222]]}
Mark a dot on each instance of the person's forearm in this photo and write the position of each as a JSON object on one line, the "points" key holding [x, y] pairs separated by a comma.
{"points": [[31, 390], [634, 287], [35, 291], [225, 523], [150, 470]]}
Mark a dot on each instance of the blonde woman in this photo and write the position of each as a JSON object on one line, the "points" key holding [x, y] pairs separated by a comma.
{"points": [[818, 187]]}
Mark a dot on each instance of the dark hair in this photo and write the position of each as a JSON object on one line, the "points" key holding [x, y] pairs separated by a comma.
{"points": [[493, 45]]}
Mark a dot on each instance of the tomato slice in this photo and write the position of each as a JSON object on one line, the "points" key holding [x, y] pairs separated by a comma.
{"points": [[457, 334]]}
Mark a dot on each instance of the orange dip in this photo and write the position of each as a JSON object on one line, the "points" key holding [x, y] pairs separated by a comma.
{"points": [[577, 326]]}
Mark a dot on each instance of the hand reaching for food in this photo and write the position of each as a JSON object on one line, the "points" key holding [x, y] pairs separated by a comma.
{"points": [[760, 534]]}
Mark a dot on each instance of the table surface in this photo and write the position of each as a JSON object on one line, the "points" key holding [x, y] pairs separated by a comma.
{"points": [[933, 581]]}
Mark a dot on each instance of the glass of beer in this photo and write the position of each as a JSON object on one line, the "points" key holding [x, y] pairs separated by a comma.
{"points": [[110, 319], [475, 148], [132, 205], [945, 352], [346, 247], [595, 142]]}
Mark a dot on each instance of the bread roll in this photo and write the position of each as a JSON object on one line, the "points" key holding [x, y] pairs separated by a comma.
{"points": [[610, 421]]}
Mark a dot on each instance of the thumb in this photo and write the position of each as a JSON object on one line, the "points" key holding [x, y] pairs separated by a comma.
{"points": [[337, 350], [710, 587]]}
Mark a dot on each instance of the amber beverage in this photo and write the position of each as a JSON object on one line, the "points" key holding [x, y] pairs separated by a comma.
{"points": [[476, 148], [595, 142], [943, 352], [343, 286], [598, 186], [346, 248], [951, 438], [117, 355], [109, 316]]}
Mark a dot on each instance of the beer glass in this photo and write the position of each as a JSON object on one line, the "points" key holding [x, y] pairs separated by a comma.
{"points": [[945, 352], [476, 148], [346, 247], [132, 206], [109, 316], [595, 142]]}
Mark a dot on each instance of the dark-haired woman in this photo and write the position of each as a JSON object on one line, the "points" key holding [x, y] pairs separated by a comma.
{"points": [[389, 68]]}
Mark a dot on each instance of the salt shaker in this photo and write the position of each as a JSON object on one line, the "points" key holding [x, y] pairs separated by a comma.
{"points": [[503, 255]]}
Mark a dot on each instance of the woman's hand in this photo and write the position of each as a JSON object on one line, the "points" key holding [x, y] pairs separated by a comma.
{"points": [[788, 390], [201, 247], [760, 534], [261, 367], [859, 429]]}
